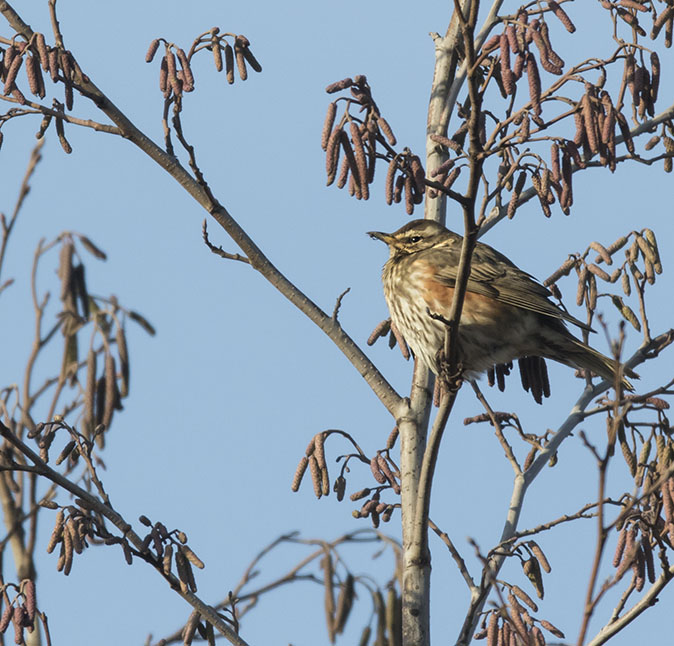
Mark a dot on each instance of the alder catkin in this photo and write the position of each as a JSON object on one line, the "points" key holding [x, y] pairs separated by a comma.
{"points": [[152, 50], [229, 63], [299, 473], [515, 196], [655, 76], [534, 84], [361, 161], [328, 124], [188, 77], [386, 129], [562, 16], [332, 155], [240, 60]]}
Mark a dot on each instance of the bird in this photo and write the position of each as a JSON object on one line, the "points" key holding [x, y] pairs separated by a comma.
{"points": [[507, 314]]}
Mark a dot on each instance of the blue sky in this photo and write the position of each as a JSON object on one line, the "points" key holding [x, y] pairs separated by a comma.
{"points": [[226, 396]]}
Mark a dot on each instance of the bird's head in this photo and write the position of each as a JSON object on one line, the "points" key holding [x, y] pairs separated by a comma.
{"points": [[416, 235]]}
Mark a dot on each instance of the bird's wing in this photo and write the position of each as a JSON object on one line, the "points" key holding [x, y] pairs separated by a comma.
{"points": [[493, 275]]}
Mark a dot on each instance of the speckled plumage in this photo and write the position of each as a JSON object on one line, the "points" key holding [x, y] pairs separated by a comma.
{"points": [[506, 314]]}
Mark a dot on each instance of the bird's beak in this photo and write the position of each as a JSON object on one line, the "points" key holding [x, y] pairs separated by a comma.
{"points": [[384, 237]]}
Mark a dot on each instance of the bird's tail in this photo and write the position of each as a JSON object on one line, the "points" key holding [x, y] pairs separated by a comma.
{"points": [[589, 359]]}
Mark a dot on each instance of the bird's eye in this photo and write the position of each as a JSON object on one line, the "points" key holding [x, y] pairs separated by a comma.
{"points": [[414, 239]]}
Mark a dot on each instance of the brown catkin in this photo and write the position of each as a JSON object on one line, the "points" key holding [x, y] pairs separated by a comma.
{"points": [[332, 155], [316, 478], [67, 546], [666, 16], [655, 76], [42, 52], [67, 450], [361, 161], [386, 129], [60, 132], [319, 449], [344, 603], [562, 16], [57, 533], [192, 557], [444, 141], [590, 122], [506, 72], [152, 50], [74, 535], [110, 389], [598, 272], [229, 63], [328, 124], [376, 471], [250, 59], [18, 619], [173, 80], [554, 162], [359, 495], [53, 56], [652, 142], [217, 52], [32, 72], [608, 127], [538, 553], [409, 195], [163, 76], [339, 85], [329, 599], [299, 473], [29, 594], [390, 176], [11, 74], [348, 152], [492, 630], [534, 84], [123, 352], [511, 35], [523, 596], [393, 436], [240, 60], [418, 174], [184, 571], [188, 77], [553, 58], [7, 614], [519, 185]]}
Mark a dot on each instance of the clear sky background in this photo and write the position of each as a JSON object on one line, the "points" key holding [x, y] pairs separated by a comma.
{"points": [[226, 396]]}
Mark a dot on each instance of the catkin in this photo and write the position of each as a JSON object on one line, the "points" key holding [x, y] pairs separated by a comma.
{"points": [[229, 63], [562, 16], [534, 84], [328, 124], [240, 60], [361, 161], [151, 50]]}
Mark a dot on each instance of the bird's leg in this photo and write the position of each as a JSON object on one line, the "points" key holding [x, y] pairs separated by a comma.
{"points": [[450, 380]]}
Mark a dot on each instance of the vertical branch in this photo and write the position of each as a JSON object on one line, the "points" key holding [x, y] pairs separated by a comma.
{"points": [[440, 106]]}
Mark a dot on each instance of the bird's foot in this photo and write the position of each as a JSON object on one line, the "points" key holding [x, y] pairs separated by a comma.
{"points": [[451, 380]]}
